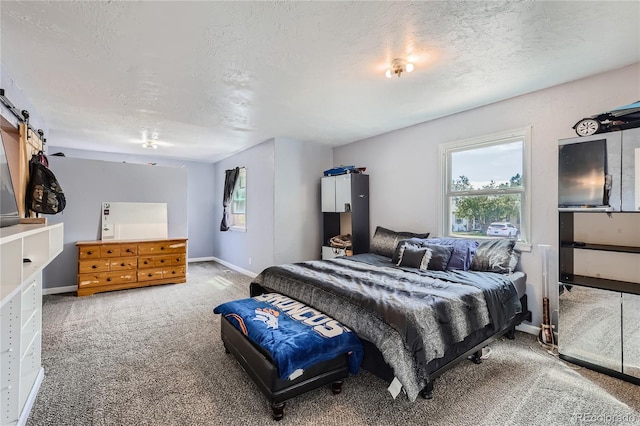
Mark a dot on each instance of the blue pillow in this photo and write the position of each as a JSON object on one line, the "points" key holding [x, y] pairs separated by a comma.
{"points": [[463, 251]]}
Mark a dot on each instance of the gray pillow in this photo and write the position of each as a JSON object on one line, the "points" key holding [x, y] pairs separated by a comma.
{"points": [[496, 255], [440, 256], [414, 256], [385, 240]]}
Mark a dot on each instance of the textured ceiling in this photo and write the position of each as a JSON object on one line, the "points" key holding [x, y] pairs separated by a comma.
{"points": [[213, 78]]}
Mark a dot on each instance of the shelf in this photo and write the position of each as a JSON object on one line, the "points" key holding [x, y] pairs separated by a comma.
{"points": [[601, 283], [601, 247]]}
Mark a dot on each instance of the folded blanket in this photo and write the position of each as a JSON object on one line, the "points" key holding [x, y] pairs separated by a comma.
{"points": [[295, 335]]}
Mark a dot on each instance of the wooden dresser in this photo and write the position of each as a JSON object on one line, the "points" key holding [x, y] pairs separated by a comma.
{"points": [[122, 264]]}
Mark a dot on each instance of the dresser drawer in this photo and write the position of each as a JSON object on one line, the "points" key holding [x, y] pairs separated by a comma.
{"points": [[150, 274], [105, 278], [123, 263], [176, 272], [93, 265], [164, 247], [146, 262], [160, 261], [128, 249], [89, 252], [110, 250]]}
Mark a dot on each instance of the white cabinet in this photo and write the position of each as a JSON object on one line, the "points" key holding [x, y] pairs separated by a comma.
{"points": [[336, 193], [24, 251]]}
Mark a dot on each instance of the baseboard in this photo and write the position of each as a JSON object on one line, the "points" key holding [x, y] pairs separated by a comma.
{"points": [[58, 290], [202, 259], [235, 268], [528, 328], [31, 398]]}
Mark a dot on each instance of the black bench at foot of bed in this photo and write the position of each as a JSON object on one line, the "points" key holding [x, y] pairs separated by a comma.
{"points": [[469, 348], [262, 370]]}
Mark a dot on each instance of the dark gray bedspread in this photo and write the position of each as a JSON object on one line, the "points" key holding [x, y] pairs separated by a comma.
{"points": [[412, 316]]}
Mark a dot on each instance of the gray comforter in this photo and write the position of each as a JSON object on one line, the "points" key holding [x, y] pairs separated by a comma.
{"points": [[412, 316]]}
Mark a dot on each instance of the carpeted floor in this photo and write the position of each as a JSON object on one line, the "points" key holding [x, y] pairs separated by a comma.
{"points": [[153, 356]]}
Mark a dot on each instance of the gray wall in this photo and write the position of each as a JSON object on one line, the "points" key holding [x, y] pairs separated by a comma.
{"points": [[298, 219], [87, 183], [251, 250], [283, 204], [200, 178], [404, 165]]}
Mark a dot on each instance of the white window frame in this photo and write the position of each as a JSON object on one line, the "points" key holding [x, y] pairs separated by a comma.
{"points": [[233, 225], [445, 151]]}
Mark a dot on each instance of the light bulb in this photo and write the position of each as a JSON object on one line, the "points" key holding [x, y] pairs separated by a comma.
{"points": [[388, 73], [144, 145], [154, 146], [409, 67]]}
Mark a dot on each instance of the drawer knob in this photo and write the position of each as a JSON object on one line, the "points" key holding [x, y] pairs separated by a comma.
{"points": [[94, 266], [123, 264], [162, 248], [173, 272], [128, 250], [109, 251], [146, 262], [150, 275], [162, 261], [177, 259], [89, 252], [108, 279]]}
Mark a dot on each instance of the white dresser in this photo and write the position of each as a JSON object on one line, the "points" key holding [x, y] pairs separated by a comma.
{"points": [[24, 251]]}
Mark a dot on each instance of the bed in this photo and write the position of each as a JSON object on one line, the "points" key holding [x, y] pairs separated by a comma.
{"points": [[415, 322]]}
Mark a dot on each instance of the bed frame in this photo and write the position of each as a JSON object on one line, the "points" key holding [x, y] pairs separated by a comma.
{"points": [[469, 348]]}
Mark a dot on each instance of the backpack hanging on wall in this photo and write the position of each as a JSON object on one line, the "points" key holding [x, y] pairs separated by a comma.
{"points": [[44, 193]]}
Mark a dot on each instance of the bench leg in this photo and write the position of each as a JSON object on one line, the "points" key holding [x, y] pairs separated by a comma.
{"points": [[476, 357], [427, 392], [336, 387], [278, 411], [511, 334]]}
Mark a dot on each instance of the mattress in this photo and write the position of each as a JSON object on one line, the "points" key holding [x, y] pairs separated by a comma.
{"points": [[519, 280]]}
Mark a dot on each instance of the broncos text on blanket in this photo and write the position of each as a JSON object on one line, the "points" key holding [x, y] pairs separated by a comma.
{"points": [[321, 323]]}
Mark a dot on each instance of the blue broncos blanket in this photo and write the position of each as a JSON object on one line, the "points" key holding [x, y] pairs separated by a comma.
{"points": [[295, 335]]}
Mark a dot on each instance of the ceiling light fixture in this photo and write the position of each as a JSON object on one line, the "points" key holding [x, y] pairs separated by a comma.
{"points": [[149, 143], [398, 66]]}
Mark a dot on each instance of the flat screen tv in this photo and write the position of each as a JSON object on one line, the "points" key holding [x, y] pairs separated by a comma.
{"points": [[582, 175], [8, 205]]}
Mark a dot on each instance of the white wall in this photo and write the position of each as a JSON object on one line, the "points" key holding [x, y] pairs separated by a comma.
{"points": [[404, 167], [297, 226], [251, 250]]}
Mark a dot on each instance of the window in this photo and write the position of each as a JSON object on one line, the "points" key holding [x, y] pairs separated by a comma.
{"points": [[238, 217], [484, 187]]}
